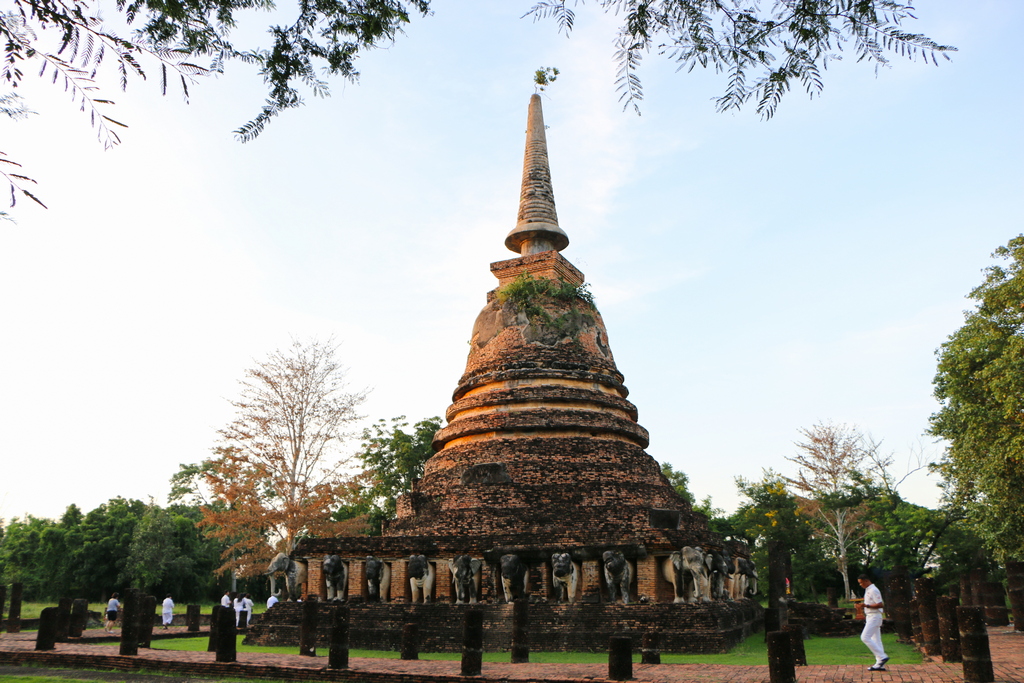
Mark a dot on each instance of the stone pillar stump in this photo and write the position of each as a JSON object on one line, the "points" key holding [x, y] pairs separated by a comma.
{"points": [[974, 645]]}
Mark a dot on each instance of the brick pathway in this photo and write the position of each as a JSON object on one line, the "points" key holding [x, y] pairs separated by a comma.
{"points": [[17, 649]]}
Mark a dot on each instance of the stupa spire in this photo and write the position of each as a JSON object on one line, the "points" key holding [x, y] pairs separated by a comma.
{"points": [[537, 228]]}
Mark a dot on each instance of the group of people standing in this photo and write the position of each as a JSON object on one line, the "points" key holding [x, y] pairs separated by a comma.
{"points": [[242, 604], [114, 606]]}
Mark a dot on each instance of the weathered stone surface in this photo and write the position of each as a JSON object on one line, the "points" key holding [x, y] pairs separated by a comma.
{"points": [[79, 617], [130, 609], [974, 645], [63, 619], [949, 629], [781, 668], [620, 658], [46, 636], [14, 616], [897, 603], [928, 615]]}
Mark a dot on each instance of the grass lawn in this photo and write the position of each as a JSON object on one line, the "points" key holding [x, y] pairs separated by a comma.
{"points": [[753, 651], [31, 610]]}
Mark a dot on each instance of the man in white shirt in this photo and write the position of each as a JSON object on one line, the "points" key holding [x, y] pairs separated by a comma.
{"points": [[168, 611], [872, 633], [247, 608], [226, 600], [271, 601], [239, 609]]}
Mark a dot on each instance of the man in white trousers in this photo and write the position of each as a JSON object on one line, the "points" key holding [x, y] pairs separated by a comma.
{"points": [[872, 633], [167, 611]]}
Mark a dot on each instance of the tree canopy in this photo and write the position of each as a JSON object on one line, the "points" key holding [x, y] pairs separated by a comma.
{"points": [[762, 48], [118, 544], [980, 384], [393, 458], [277, 474]]}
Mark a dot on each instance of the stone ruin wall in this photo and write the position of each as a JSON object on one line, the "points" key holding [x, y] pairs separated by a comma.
{"points": [[551, 628], [648, 579]]}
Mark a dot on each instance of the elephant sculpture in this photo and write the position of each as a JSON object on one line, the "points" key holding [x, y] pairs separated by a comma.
{"points": [[335, 577], [514, 575], [466, 577], [685, 570], [564, 577], [718, 567], [617, 575], [378, 580], [744, 578], [294, 572], [421, 578]]}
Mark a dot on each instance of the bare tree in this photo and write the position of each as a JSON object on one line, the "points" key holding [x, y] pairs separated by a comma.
{"points": [[278, 473], [831, 462]]}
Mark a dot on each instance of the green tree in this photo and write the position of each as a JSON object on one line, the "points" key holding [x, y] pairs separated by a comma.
{"points": [[393, 459], [21, 552], [771, 512], [980, 384], [832, 469], [154, 557], [763, 48], [680, 481]]}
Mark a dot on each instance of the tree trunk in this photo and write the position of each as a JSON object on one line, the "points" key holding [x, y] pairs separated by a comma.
{"points": [[841, 564]]}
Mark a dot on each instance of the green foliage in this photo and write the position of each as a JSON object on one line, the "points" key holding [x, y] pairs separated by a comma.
{"points": [[980, 384], [679, 480], [393, 459], [772, 512], [168, 555], [545, 76], [528, 295], [93, 554], [763, 51], [526, 291]]}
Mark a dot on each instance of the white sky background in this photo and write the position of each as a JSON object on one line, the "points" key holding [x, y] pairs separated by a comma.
{"points": [[756, 277]]}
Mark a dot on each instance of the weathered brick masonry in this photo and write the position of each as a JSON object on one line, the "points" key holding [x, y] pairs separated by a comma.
{"points": [[580, 628], [542, 453]]}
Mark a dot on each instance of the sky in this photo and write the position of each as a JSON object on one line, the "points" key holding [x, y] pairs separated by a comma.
{"points": [[756, 277]]}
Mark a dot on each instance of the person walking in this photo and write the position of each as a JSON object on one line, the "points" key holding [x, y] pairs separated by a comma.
{"points": [[872, 633], [168, 611], [239, 611], [113, 605], [247, 605]]}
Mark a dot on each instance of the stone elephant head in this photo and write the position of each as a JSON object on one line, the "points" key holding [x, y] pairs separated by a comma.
{"points": [[421, 578], [378, 580], [617, 575], [294, 572], [686, 571], [335, 577], [718, 566], [564, 577], [466, 577], [514, 576]]}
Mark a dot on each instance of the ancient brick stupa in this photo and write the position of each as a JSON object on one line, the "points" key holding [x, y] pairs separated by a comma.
{"points": [[542, 455], [542, 447]]}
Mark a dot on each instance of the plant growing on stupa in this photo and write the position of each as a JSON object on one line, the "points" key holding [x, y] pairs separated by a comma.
{"points": [[545, 76]]}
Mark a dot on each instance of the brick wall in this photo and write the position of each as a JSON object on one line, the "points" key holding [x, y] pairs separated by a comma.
{"points": [[584, 627]]}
